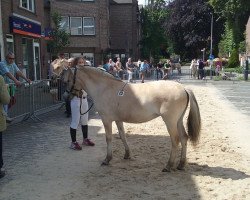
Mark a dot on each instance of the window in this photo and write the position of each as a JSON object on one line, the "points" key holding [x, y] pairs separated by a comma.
{"points": [[10, 43], [65, 24], [28, 4], [89, 57], [88, 26], [76, 26]]}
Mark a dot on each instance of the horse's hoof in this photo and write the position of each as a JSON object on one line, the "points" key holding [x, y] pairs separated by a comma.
{"points": [[166, 170], [105, 163], [127, 156], [180, 168], [181, 165]]}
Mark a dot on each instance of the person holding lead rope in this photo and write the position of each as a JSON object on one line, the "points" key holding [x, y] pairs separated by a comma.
{"points": [[79, 105]]}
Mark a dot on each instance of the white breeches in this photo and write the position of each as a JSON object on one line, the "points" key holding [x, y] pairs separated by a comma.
{"points": [[76, 116]]}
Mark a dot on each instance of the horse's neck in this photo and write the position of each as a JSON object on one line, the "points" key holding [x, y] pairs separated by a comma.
{"points": [[95, 83]]}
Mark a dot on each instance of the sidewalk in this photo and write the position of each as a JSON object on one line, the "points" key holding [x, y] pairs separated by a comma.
{"points": [[37, 158]]}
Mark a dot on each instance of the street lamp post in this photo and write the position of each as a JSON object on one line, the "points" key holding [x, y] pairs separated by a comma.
{"points": [[203, 54], [211, 45]]}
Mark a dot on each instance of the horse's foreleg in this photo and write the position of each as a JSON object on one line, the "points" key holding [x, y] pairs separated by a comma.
{"points": [[123, 138], [183, 139], [108, 130]]}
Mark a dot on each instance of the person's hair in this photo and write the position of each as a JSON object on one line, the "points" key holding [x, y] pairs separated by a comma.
{"points": [[9, 54], [77, 59]]}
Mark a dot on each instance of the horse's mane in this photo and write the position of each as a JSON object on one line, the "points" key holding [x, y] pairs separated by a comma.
{"points": [[100, 72]]}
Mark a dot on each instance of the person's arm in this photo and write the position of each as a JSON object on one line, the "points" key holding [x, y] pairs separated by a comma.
{"points": [[17, 82], [19, 73]]}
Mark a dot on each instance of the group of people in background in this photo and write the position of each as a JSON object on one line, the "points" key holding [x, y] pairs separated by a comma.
{"points": [[197, 68]]}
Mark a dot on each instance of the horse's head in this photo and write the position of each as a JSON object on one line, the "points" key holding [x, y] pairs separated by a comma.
{"points": [[59, 65], [70, 77]]}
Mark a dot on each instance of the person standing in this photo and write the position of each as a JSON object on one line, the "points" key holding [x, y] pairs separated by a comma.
{"points": [[4, 99], [143, 69], [79, 105], [130, 70], [9, 70], [201, 69]]}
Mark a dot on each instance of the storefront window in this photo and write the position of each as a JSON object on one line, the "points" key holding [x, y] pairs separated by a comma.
{"points": [[89, 57]]}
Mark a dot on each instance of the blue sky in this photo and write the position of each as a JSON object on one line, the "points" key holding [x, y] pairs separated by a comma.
{"points": [[141, 2]]}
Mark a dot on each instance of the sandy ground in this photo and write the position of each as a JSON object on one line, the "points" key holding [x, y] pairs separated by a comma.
{"points": [[217, 168]]}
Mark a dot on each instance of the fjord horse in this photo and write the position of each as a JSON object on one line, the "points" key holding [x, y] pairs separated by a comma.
{"points": [[121, 102]]}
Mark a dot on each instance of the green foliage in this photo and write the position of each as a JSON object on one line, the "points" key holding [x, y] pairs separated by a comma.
{"points": [[236, 13], [226, 44], [234, 59], [154, 41], [188, 25], [58, 37]]}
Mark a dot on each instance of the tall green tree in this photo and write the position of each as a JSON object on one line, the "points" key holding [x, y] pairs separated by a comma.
{"points": [[154, 41], [188, 25], [59, 38], [236, 14]]}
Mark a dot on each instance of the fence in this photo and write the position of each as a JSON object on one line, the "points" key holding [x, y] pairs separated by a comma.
{"points": [[36, 98]]}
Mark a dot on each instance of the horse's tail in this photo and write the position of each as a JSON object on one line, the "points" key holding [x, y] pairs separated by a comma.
{"points": [[194, 118]]}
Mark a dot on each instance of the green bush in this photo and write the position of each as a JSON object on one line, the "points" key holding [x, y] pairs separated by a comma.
{"points": [[234, 59]]}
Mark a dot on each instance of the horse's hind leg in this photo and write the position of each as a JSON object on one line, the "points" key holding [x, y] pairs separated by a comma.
{"points": [[108, 131], [123, 138], [183, 139], [173, 132]]}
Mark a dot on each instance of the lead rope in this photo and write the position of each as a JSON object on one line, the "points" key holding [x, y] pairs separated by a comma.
{"points": [[87, 110]]}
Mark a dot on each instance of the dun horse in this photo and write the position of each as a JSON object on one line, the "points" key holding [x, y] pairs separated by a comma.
{"points": [[136, 103]]}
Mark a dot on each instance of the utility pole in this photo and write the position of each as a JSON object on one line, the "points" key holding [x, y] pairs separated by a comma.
{"points": [[211, 45]]}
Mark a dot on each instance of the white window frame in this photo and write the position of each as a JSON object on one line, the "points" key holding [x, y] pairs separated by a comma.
{"points": [[67, 29], [76, 27], [93, 26], [10, 41], [30, 5]]}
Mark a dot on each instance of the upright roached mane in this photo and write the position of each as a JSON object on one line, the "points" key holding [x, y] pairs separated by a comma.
{"points": [[140, 103]]}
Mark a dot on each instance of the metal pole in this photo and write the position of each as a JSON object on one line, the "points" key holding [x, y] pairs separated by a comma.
{"points": [[211, 44]]}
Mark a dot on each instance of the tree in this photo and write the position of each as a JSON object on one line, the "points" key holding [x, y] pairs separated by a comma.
{"points": [[236, 13], [188, 26], [59, 38], [154, 41]]}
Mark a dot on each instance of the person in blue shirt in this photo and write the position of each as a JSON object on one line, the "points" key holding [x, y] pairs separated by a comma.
{"points": [[143, 69], [9, 70]]}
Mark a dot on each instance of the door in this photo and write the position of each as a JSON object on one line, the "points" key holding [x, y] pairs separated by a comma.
{"points": [[36, 60]]}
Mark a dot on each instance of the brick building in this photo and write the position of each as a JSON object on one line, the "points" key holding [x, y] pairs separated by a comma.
{"points": [[124, 28], [22, 26], [100, 28]]}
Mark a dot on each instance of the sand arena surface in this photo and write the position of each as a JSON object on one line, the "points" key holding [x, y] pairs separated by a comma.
{"points": [[217, 168]]}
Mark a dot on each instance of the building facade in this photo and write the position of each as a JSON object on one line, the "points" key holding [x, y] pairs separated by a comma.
{"points": [[22, 28], [87, 23], [99, 28], [124, 29]]}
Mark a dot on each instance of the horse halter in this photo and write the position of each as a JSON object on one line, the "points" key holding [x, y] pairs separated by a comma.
{"points": [[74, 82]]}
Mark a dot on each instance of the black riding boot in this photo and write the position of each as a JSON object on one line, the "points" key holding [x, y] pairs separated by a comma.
{"points": [[85, 131], [73, 134]]}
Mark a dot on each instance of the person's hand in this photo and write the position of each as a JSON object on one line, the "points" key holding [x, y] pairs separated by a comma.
{"points": [[28, 80], [18, 83]]}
